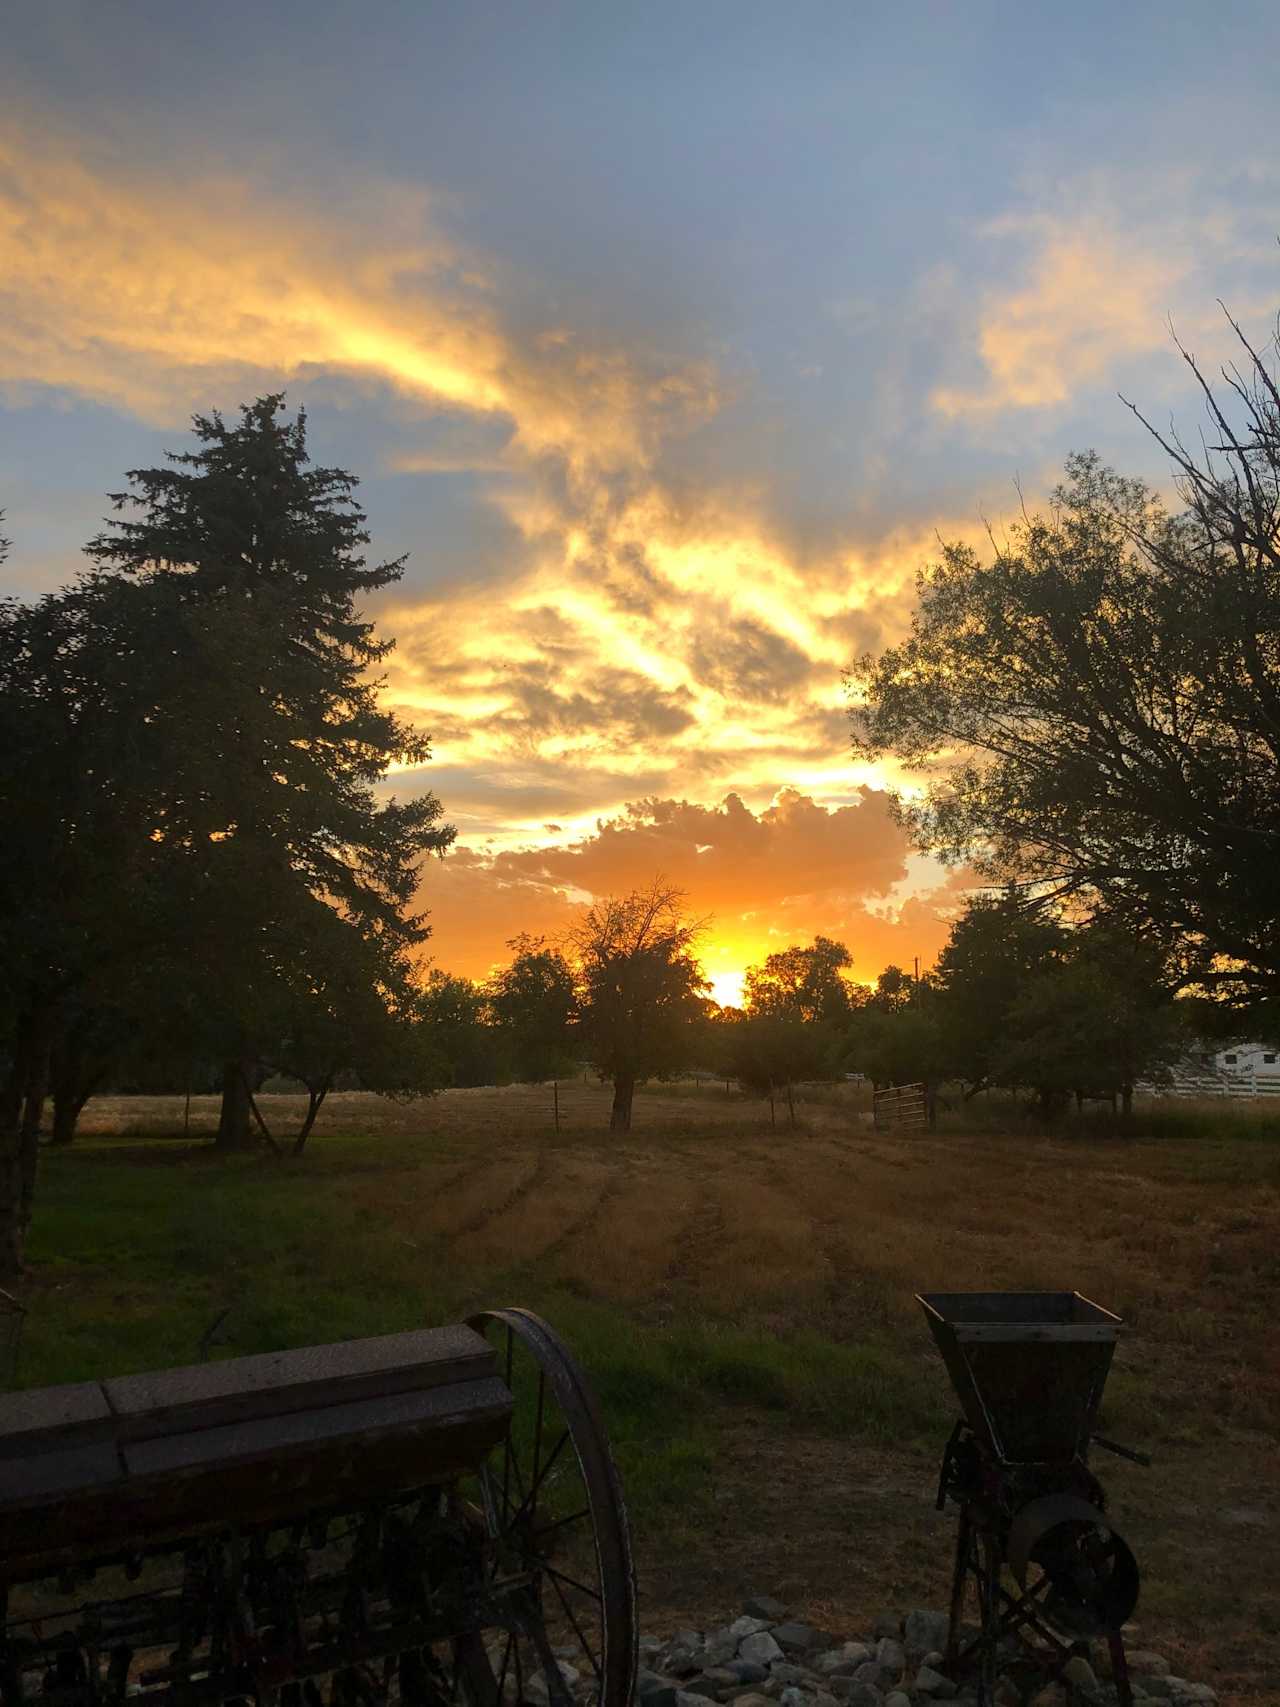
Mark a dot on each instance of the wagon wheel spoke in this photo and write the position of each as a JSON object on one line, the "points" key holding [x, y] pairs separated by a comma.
{"points": [[558, 1529]]}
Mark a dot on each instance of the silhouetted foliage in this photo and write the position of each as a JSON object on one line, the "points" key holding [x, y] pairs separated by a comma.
{"points": [[1097, 704], [265, 712], [1023, 1002], [796, 1009], [193, 733], [534, 1003], [455, 1018], [640, 990]]}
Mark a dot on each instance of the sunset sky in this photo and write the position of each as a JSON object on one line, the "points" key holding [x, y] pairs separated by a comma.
{"points": [[666, 338]]}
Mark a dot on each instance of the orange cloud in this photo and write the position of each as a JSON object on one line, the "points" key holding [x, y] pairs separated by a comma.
{"points": [[765, 878]]}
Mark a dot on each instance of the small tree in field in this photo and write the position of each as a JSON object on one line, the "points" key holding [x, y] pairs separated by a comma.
{"points": [[997, 947], [640, 990], [454, 1015], [797, 1004], [1094, 1023], [535, 1003]]}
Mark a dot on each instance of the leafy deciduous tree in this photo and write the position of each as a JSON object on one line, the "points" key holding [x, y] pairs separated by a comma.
{"points": [[640, 989], [534, 1001], [797, 1004], [1097, 706]]}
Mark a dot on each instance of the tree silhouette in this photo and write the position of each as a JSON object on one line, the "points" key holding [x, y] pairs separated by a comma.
{"points": [[640, 989], [266, 709], [1097, 704]]}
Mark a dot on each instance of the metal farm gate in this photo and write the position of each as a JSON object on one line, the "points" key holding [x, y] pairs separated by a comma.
{"points": [[900, 1108]]}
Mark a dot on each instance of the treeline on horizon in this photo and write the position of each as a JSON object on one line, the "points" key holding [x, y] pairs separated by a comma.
{"points": [[199, 870]]}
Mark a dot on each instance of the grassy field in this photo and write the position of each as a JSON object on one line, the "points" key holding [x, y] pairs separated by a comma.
{"points": [[743, 1299]]}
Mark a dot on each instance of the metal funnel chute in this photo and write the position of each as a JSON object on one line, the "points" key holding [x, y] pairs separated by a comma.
{"points": [[1028, 1368]]}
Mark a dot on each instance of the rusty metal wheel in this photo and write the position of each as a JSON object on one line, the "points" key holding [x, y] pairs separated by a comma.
{"points": [[556, 1531]]}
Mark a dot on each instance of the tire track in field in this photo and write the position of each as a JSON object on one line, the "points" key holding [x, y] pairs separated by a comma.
{"points": [[483, 1217], [432, 1180], [622, 1171], [831, 1241], [703, 1225]]}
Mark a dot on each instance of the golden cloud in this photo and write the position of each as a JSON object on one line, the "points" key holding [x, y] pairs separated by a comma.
{"points": [[1094, 295], [148, 296], [640, 630], [645, 635]]}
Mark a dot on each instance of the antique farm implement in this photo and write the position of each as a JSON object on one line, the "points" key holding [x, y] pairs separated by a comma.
{"points": [[430, 1517], [1028, 1369]]}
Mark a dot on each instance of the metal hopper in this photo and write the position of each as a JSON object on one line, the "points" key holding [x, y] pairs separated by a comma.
{"points": [[1027, 1367]]}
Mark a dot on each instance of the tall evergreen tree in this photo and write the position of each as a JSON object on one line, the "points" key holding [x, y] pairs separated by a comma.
{"points": [[263, 710]]}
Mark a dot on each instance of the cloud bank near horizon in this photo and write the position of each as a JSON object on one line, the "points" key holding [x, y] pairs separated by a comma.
{"points": [[760, 879]]}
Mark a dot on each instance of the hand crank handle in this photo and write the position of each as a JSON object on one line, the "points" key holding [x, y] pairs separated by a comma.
{"points": [[1143, 1458]]}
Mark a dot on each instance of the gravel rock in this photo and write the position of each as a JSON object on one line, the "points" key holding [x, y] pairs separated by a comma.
{"points": [[686, 1639], [760, 1647], [664, 1697], [800, 1638], [924, 1632], [747, 1671], [764, 1606], [847, 1657], [1079, 1673], [784, 1672], [933, 1683], [757, 1661], [1143, 1663], [891, 1655], [854, 1692], [864, 1695], [713, 1683], [721, 1646], [748, 1625], [683, 1654]]}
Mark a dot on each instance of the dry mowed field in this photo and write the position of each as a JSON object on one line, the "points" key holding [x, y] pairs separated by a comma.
{"points": [[764, 1260]]}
